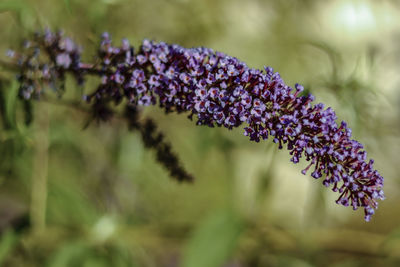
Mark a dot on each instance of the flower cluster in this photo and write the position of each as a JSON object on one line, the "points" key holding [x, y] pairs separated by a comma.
{"points": [[222, 91], [61, 55]]}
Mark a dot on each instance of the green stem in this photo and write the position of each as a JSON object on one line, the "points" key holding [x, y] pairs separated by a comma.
{"points": [[40, 171]]}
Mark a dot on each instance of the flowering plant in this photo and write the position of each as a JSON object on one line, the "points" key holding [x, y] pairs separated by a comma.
{"points": [[217, 90]]}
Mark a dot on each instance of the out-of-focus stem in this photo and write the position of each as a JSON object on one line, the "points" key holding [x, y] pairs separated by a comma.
{"points": [[40, 171], [9, 66]]}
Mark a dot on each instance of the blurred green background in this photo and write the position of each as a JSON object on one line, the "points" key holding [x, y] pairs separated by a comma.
{"points": [[96, 197]]}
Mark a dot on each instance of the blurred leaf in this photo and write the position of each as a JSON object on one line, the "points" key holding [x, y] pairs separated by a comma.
{"points": [[69, 205], [68, 254], [11, 100], [12, 5], [7, 242], [68, 6], [83, 253], [214, 240], [22, 10], [333, 55], [97, 13]]}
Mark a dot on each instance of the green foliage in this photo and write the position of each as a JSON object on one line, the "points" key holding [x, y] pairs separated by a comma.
{"points": [[68, 6], [214, 240], [10, 104], [7, 243], [21, 10], [79, 253]]}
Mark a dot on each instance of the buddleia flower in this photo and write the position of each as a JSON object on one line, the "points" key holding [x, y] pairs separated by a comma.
{"points": [[220, 90]]}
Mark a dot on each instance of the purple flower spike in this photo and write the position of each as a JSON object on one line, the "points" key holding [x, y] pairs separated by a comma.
{"points": [[269, 105], [221, 90]]}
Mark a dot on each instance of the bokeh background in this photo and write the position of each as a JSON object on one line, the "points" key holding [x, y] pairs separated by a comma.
{"points": [[96, 197]]}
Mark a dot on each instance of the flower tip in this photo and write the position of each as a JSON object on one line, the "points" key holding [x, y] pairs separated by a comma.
{"points": [[299, 87], [10, 53], [86, 98], [105, 35]]}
